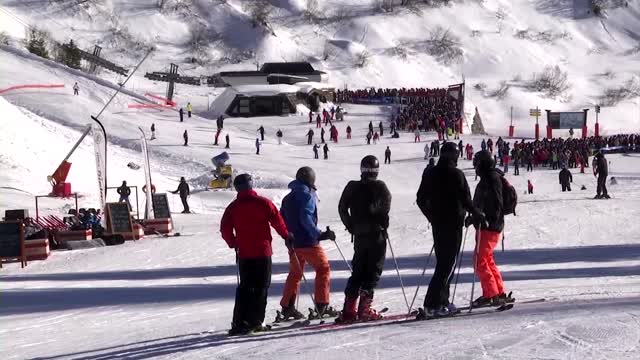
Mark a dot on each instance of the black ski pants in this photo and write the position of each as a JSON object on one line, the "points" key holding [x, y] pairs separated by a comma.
{"points": [[387, 159], [447, 239], [185, 205], [566, 187], [368, 261], [251, 294], [602, 186]]}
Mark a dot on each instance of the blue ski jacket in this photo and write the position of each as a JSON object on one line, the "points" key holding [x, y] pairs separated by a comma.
{"points": [[300, 213]]}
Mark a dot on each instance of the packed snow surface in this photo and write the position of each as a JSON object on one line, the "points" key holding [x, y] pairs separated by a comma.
{"points": [[172, 298]]}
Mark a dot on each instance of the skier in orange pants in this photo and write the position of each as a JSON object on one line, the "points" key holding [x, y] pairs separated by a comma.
{"points": [[300, 213], [488, 198]]}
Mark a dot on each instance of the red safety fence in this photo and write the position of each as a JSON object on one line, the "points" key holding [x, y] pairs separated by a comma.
{"points": [[164, 100], [33, 86], [148, 106]]}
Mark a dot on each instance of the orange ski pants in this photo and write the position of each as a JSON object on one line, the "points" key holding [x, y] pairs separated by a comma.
{"points": [[486, 267], [316, 257]]}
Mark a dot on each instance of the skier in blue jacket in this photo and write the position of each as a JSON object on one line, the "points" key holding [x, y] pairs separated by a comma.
{"points": [[300, 213]]}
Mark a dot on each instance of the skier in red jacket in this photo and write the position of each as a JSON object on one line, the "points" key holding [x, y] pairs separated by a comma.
{"points": [[245, 226]]}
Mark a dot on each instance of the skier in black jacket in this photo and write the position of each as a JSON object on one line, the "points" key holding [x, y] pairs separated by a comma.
{"points": [[444, 198], [488, 199], [183, 189], [601, 169], [565, 178], [364, 210]]}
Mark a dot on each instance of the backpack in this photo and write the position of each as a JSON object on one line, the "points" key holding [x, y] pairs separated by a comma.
{"points": [[509, 197]]}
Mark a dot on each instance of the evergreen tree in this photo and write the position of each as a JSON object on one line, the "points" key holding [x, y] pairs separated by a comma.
{"points": [[70, 55], [37, 43]]}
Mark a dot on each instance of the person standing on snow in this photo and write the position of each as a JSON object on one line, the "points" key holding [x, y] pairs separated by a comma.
{"points": [[310, 116], [257, 146], [181, 112], [565, 179], [529, 187], [279, 136], [322, 135], [364, 210], [416, 135], [444, 198], [601, 170], [124, 191], [316, 147], [348, 131], [318, 121], [189, 109], [381, 128], [309, 137], [488, 199], [300, 213], [261, 131], [185, 136], [184, 191], [427, 150], [325, 150], [387, 156], [371, 127], [227, 140], [461, 149], [153, 131], [246, 227], [76, 89]]}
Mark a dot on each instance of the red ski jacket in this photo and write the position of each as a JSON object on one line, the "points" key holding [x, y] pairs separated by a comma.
{"points": [[246, 223]]}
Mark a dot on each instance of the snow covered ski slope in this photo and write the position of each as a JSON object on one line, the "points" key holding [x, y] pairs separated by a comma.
{"points": [[172, 298]]}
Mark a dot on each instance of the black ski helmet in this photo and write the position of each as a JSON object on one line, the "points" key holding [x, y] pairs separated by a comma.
{"points": [[449, 152], [243, 182], [307, 176], [483, 161], [369, 166]]}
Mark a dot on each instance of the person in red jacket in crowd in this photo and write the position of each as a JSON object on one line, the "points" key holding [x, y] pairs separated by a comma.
{"points": [[245, 226]]}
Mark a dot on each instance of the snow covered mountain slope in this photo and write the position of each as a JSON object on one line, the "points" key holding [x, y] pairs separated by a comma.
{"points": [[496, 46], [172, 298]]}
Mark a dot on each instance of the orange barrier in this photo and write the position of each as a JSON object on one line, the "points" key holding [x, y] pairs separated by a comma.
{"points": [[164, 100], [34, 86]]}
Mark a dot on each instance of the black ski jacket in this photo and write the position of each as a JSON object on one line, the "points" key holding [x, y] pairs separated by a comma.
{"points": [[565, 177], [444, 196], [364, 207], [488, 198]]}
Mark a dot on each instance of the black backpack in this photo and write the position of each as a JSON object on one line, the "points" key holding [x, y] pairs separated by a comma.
{"points": [[509, 197]]}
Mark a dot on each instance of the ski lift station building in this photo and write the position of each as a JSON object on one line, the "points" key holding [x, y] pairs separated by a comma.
{"points": [[270, 99]]}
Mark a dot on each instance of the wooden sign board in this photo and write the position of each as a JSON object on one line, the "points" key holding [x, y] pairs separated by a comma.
{"points": [[119, 218], [12, 242], [161, 206]]}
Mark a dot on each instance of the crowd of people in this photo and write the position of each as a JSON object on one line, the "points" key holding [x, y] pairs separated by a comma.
{"points": [[350, 96]]}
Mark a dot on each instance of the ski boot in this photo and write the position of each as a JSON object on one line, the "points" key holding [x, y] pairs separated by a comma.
{"points": [[348, 313], [365, 311], [481, 302], [433, 312], [258, 329], [289, 312], [322, 311], [238, 329], [506, 298]]}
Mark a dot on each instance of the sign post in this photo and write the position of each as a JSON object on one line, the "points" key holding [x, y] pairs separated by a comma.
{"points": [[536, 112], [119, 219], [12, 242], [597, 130], [511, 124]]}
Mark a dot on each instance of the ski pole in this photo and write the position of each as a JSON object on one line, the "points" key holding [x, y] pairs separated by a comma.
{"points": [[424, 269], [503, 241], [398, 271], [304, 279], [464, 241], [237, 269], [343, 258], [475, 265]]}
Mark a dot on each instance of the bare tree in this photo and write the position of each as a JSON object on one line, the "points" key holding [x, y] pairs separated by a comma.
{"points": [[259, 11], [362, 58], [311, 10], [444, 46], [552, 81]]}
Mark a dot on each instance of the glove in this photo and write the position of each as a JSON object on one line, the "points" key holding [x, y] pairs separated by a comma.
{"points": [[327, 235], [289, 241]]}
